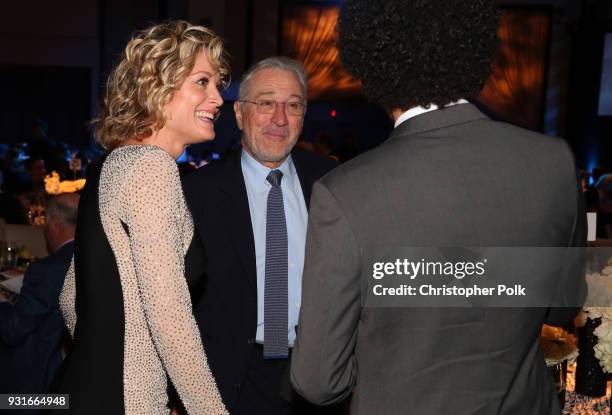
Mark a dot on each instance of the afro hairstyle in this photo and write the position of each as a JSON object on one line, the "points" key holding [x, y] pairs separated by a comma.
{"points": [[411, 53]]}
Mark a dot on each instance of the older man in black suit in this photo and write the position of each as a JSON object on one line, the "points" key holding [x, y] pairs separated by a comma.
{"points": [[250, 211], [31, 330]]}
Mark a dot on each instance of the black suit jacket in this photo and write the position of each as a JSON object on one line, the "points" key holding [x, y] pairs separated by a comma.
{"points": [[31, 331], [226, 310]]}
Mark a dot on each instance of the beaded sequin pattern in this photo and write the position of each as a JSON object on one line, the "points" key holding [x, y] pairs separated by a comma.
{"points": [[140, 186]]}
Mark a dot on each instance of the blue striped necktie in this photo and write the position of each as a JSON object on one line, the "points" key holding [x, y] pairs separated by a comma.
{"points": [[276, 344]]}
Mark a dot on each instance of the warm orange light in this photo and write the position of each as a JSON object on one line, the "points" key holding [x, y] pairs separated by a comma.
{"points": [[309, 35], [515, 89], [54, 186]]}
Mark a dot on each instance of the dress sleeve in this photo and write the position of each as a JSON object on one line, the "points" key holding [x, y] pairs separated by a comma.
{"points": [[153, 208], [67, 299]]}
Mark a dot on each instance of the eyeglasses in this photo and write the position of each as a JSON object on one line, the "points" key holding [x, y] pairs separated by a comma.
{"points": [[266, 106]]}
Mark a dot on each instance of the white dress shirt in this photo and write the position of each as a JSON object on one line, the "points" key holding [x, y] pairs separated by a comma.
{"points": [[296, 215]]}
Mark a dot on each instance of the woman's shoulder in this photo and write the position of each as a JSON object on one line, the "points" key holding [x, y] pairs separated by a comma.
{"points": [[141, 165], [136, 154], [149, 159]]}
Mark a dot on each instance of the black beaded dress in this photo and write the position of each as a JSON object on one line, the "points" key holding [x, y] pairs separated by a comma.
{"points": [[126, 300]]}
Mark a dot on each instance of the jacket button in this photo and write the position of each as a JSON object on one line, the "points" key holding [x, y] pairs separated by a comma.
{"points": [[237, 385], [251, 341]]}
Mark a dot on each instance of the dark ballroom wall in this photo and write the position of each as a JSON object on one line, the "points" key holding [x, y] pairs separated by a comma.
{"points": [[590, 133], [578, 29], [49, 64], [55, 57], [53, 41]]}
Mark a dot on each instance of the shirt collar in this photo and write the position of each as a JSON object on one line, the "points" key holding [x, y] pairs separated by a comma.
{"points": [[414, 111], [257, 172]]}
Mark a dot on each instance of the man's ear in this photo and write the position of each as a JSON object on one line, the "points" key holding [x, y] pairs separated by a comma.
{"points": [[238, 113]]}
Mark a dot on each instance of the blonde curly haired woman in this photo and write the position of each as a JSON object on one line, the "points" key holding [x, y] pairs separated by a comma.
{"points": [[126, 300]]}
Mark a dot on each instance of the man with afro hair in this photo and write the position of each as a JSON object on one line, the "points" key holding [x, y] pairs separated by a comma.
{"points": [[448, 176]]}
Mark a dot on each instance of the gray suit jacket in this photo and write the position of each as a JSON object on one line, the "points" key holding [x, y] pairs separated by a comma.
{"points": [[449, 177]]}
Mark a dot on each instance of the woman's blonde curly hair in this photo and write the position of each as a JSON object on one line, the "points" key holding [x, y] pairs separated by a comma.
{"points": [[154, 64]]}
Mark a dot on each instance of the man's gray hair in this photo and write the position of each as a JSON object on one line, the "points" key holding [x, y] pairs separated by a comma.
{"points": [[276, 62], [64, 208]]}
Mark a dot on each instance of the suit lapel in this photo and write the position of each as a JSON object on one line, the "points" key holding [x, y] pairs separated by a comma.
{"points": [[235, 204]]}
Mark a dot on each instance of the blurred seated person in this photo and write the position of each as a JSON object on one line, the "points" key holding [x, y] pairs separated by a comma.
{"points": [[604, 188], [591, 196], [22, 191], [36, 171], [54, 152], [41, 145], [604, 212], [32, 329], [59, 161]]}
